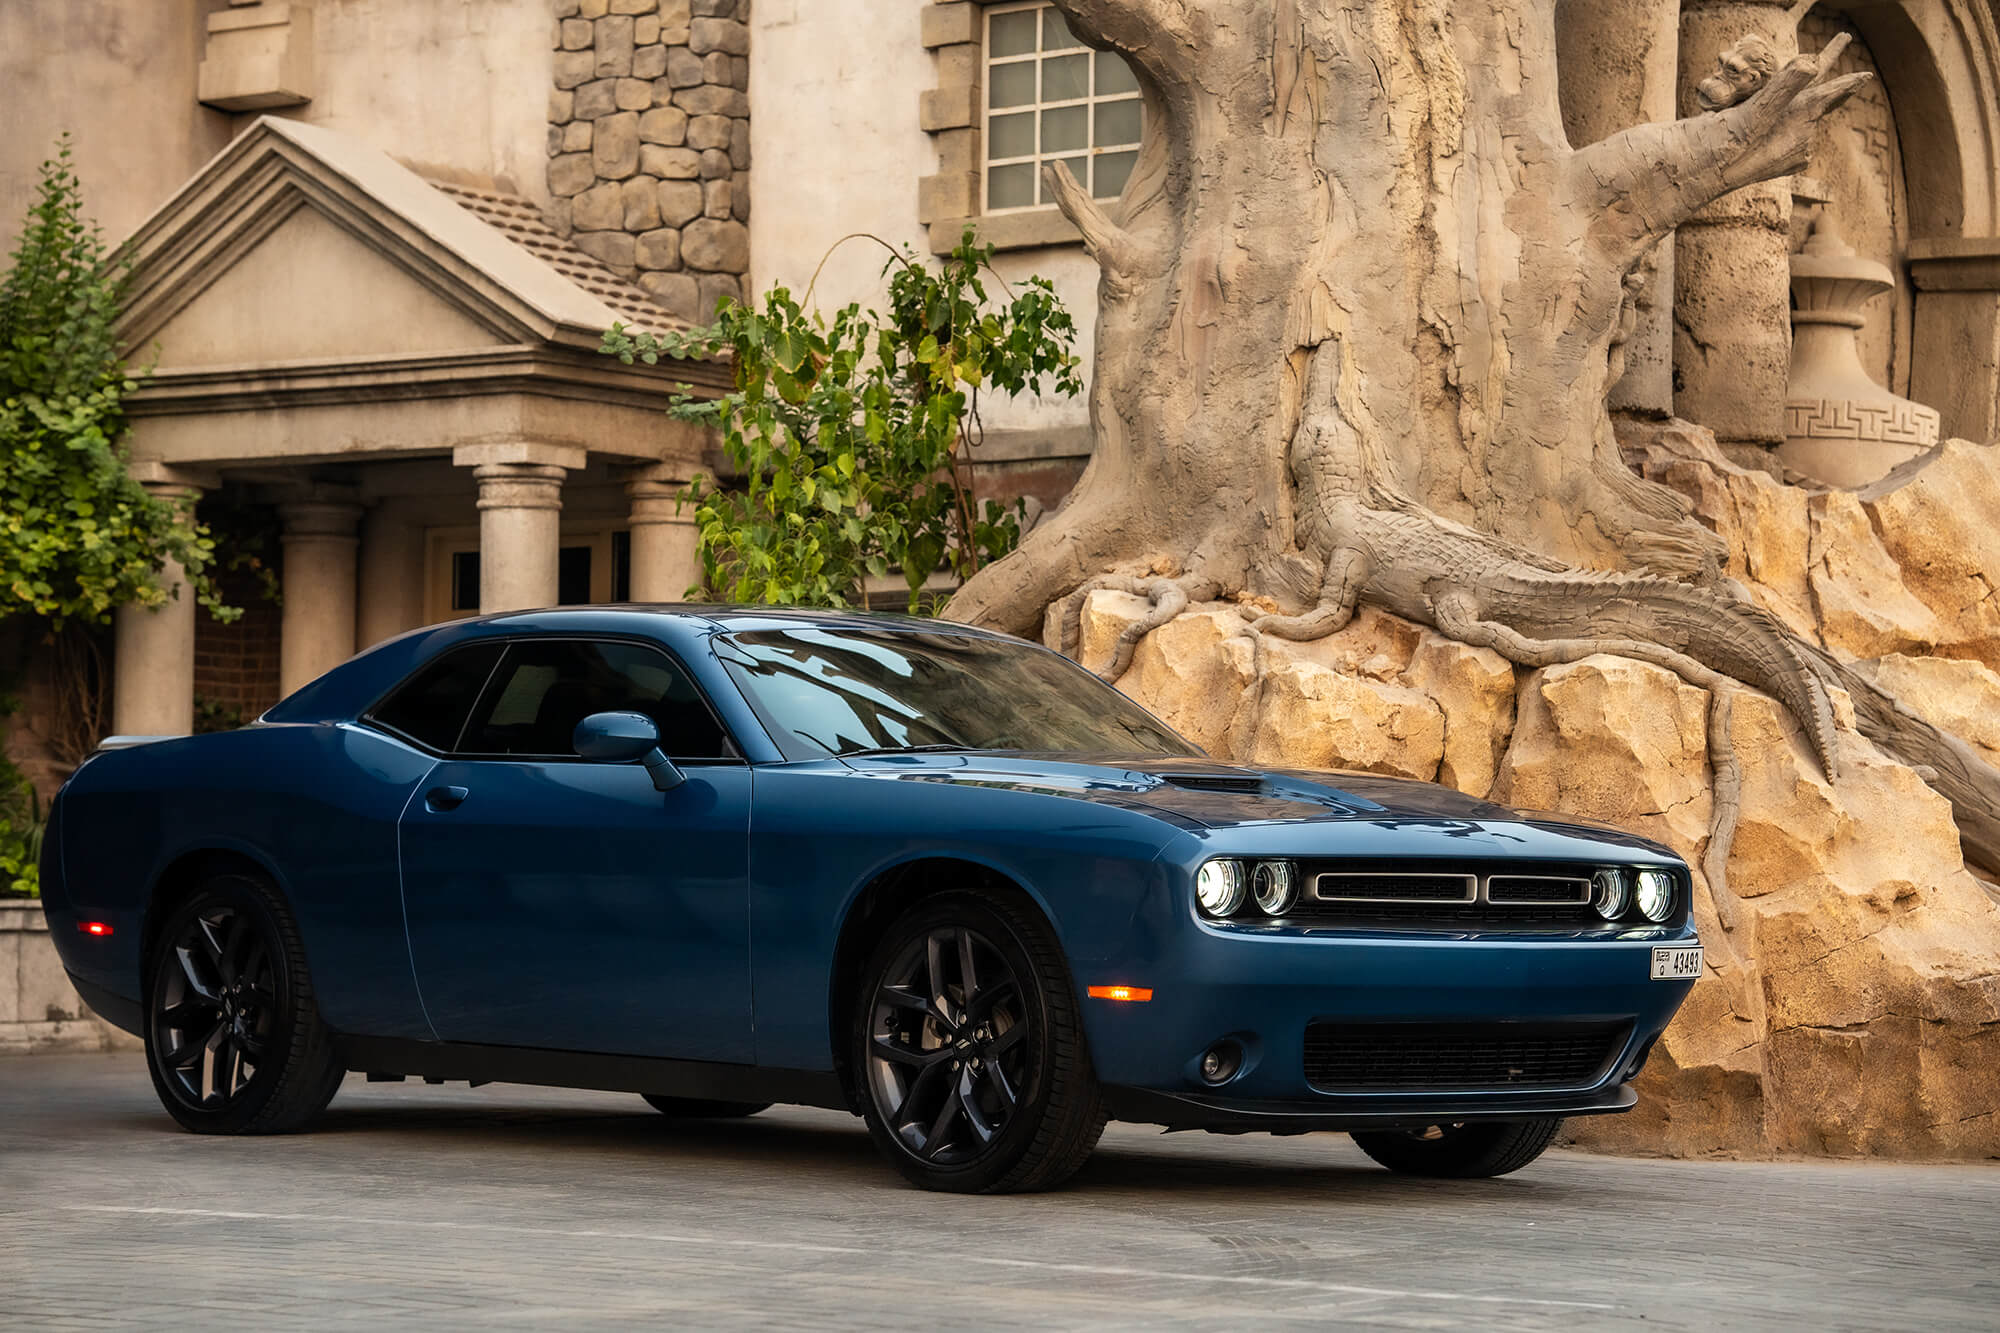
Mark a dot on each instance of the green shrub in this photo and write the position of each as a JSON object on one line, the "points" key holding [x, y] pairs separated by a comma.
{"points": [[855, 439], [21, 825]]}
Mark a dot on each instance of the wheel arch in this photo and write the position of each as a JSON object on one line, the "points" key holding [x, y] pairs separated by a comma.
{"points": [[186, 873], [891, 892]]}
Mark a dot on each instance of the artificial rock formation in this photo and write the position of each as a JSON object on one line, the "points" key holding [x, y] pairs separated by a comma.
{"points": [[1361, 311], [1852, 999]]}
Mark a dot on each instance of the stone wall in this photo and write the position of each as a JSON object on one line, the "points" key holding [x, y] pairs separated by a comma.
{"points": [[649, 143]]}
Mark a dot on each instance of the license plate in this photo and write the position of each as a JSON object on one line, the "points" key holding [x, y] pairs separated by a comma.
{"points": [[1678, 964]]}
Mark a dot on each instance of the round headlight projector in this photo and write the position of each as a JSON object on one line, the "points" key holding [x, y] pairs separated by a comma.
{"points": [[1656, 895], [1224, 887], [1611, 893], [1218, 887], [1274, 886]]}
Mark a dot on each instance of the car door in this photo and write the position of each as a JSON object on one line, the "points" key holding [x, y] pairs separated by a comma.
{"points": [[560, 904]]}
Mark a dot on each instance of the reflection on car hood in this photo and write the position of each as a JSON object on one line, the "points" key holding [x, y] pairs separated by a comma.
{"points": [[1206, 794]]}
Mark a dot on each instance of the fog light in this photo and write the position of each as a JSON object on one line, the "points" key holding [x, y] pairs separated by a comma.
{"points": [[1656, 894], [1274, 885], [1220, 1062], [1218, 887], [1612, 893]]}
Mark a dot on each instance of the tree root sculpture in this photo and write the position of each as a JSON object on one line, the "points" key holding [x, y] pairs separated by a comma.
{"points": [[1359, 312]]}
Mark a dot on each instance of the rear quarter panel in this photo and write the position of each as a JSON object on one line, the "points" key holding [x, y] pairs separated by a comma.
{"points": [[315, 805]]}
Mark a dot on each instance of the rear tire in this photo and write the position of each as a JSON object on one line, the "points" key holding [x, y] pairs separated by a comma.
{"points": [[968, 1050], [234, 1040], [692, 1108], [1461, 1152]]}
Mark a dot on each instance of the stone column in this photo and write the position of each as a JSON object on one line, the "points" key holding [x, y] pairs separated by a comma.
{"points": [[152, 688], [1955, 361], [1619, 63], [520, 521], [392, 575], [319, 542], [664, 560], [1732, 272]]}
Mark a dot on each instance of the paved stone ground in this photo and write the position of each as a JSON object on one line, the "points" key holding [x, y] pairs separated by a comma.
{"points": [[517, 1207]]}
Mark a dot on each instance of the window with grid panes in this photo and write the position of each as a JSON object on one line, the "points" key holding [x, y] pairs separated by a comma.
{"points": [[1050, 98]]}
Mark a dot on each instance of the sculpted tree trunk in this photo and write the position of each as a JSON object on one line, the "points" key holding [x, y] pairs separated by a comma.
{"points": [[1358, 322]]}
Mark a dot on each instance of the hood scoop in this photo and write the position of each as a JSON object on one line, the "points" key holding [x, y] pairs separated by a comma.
{"points": [[1230, 782]]}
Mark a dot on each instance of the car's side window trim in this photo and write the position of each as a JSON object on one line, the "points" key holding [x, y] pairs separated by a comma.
{"points": [[458, 750]]}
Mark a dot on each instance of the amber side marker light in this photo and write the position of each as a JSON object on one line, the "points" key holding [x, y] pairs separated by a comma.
{"points": [[97, 928], [1137, 994]]}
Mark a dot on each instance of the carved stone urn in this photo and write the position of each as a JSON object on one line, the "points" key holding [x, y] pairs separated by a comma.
{"points": [[1841, 427]]}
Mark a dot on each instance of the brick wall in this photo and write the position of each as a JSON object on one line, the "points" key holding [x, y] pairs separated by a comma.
{"points": [[236, 665]]}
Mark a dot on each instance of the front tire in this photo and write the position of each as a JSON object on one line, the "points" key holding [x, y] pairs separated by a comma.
{"points": [[968, 1047], [1461, 1152], [234, 1040]]}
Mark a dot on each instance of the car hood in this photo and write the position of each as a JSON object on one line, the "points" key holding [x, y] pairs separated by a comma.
{"points": [[1203, 793]]}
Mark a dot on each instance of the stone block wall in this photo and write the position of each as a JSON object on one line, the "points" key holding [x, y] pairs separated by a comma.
{"points": [[649, 143], [40, 1012]]}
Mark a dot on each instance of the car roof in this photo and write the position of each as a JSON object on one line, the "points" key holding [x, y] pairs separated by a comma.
{"points": [[350, 687], [730, 617]]}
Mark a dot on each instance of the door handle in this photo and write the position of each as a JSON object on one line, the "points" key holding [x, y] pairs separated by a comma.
{"points": [[440, 799]]}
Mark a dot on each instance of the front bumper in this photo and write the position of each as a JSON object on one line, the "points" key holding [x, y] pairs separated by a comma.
{"points": [[1261, 990]]}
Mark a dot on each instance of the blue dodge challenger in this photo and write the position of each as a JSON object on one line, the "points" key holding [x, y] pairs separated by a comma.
{"points": [[939, 877]]}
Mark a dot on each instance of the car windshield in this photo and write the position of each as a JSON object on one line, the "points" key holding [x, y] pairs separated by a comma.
{"points": [[850, 690]]}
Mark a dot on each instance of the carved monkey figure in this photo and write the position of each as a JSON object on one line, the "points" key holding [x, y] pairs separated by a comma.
{"points": [[1739, 73]]}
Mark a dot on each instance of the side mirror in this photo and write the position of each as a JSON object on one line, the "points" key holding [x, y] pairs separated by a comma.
{"points": [[626, 738]]}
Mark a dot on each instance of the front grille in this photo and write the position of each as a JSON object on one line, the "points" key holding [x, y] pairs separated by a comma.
{"points": [[1447, 1057], [1429, 894], [1392, 888], [1537, 889]]}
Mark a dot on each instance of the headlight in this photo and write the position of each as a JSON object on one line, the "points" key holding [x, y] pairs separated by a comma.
{"points": [[1612, 893], [1218, 887], [1656, 894], [1274, 885]]}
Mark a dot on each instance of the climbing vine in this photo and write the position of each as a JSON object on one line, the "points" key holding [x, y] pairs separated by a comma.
{"points": [[78, 536], [855, 438]]}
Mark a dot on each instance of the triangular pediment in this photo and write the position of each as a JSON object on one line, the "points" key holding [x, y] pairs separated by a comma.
{"points": [[300, 244], [311, 290]]}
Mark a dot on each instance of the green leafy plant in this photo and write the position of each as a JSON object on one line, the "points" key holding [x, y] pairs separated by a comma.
{"points": [[854, 438], [21, 826], [78, 536]]}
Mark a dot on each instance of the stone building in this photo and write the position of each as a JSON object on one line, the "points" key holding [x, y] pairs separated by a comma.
{"points": [[375, 243]]}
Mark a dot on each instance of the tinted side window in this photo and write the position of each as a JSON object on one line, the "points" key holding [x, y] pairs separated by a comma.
{"points": [[432, 705], [547, 686]]}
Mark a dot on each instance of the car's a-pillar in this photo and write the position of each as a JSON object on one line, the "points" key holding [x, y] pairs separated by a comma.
{"points": [[665, 562], [520, 520], [152, 689], [320, 545]]}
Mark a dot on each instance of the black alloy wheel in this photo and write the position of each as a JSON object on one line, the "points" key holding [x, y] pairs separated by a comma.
{"points": [[970, 1050], [233, 1038], [1466, 1151]]}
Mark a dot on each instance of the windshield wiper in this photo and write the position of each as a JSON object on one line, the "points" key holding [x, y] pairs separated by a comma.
{"points": [[901, 749]]}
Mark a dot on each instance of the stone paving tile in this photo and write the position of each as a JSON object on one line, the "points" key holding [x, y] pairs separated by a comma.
{"points": [[511, 1207]]}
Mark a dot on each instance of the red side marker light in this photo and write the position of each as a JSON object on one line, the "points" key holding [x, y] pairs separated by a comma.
{"points": [[1135, 994], [97, 928]]}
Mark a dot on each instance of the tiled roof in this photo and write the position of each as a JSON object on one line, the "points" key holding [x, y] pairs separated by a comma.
{"points": [[520, 222]]}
